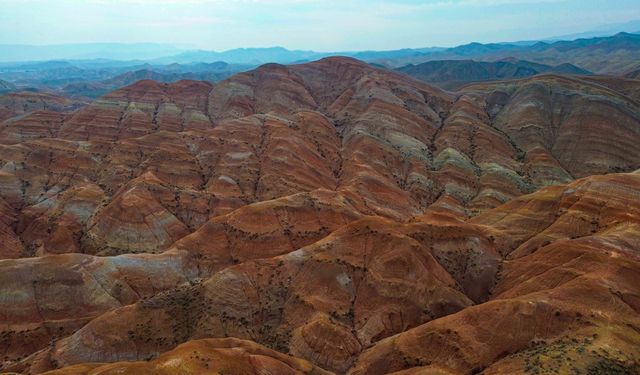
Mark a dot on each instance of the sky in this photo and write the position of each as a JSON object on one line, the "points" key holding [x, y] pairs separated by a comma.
{"points": [[321, 25]]}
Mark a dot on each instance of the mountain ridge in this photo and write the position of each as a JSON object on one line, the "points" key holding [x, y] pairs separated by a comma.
{"points": [[352, 217], [453, 74]]}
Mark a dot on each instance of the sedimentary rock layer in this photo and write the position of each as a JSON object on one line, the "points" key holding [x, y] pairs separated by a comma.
{"points": [[349, 216]]}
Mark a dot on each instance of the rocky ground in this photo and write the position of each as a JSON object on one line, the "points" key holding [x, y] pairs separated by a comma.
{"points": [[327, 217]]}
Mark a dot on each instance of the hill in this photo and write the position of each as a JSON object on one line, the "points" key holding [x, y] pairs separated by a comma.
{"points": [[326, 217], [212, 72], [94, 77], [604, 55], [6, 87], [633, 74], [453, 74]]}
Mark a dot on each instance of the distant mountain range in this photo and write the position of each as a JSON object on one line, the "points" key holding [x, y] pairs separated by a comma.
{"points": [[453, 74], [449, 68], [606, 55], [576, 49], [602, 31], [94, 78], [212, 72], [114, 51], [257, 56], [611, 55]]}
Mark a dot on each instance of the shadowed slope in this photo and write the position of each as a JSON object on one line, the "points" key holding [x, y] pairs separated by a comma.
{"points": [[567, 297], [374, 282]]}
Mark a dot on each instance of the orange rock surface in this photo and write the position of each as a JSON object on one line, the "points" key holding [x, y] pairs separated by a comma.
{"points": [[351, 217], [212, 356]]}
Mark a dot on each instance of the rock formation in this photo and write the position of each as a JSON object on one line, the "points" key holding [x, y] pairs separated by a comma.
{"points": [[354, 218]]}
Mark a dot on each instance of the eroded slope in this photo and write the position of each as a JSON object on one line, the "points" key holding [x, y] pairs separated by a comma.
{"points": [[346, 215]]}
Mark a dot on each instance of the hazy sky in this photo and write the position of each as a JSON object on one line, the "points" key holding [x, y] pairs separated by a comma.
{"points": [[324, 25]]}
